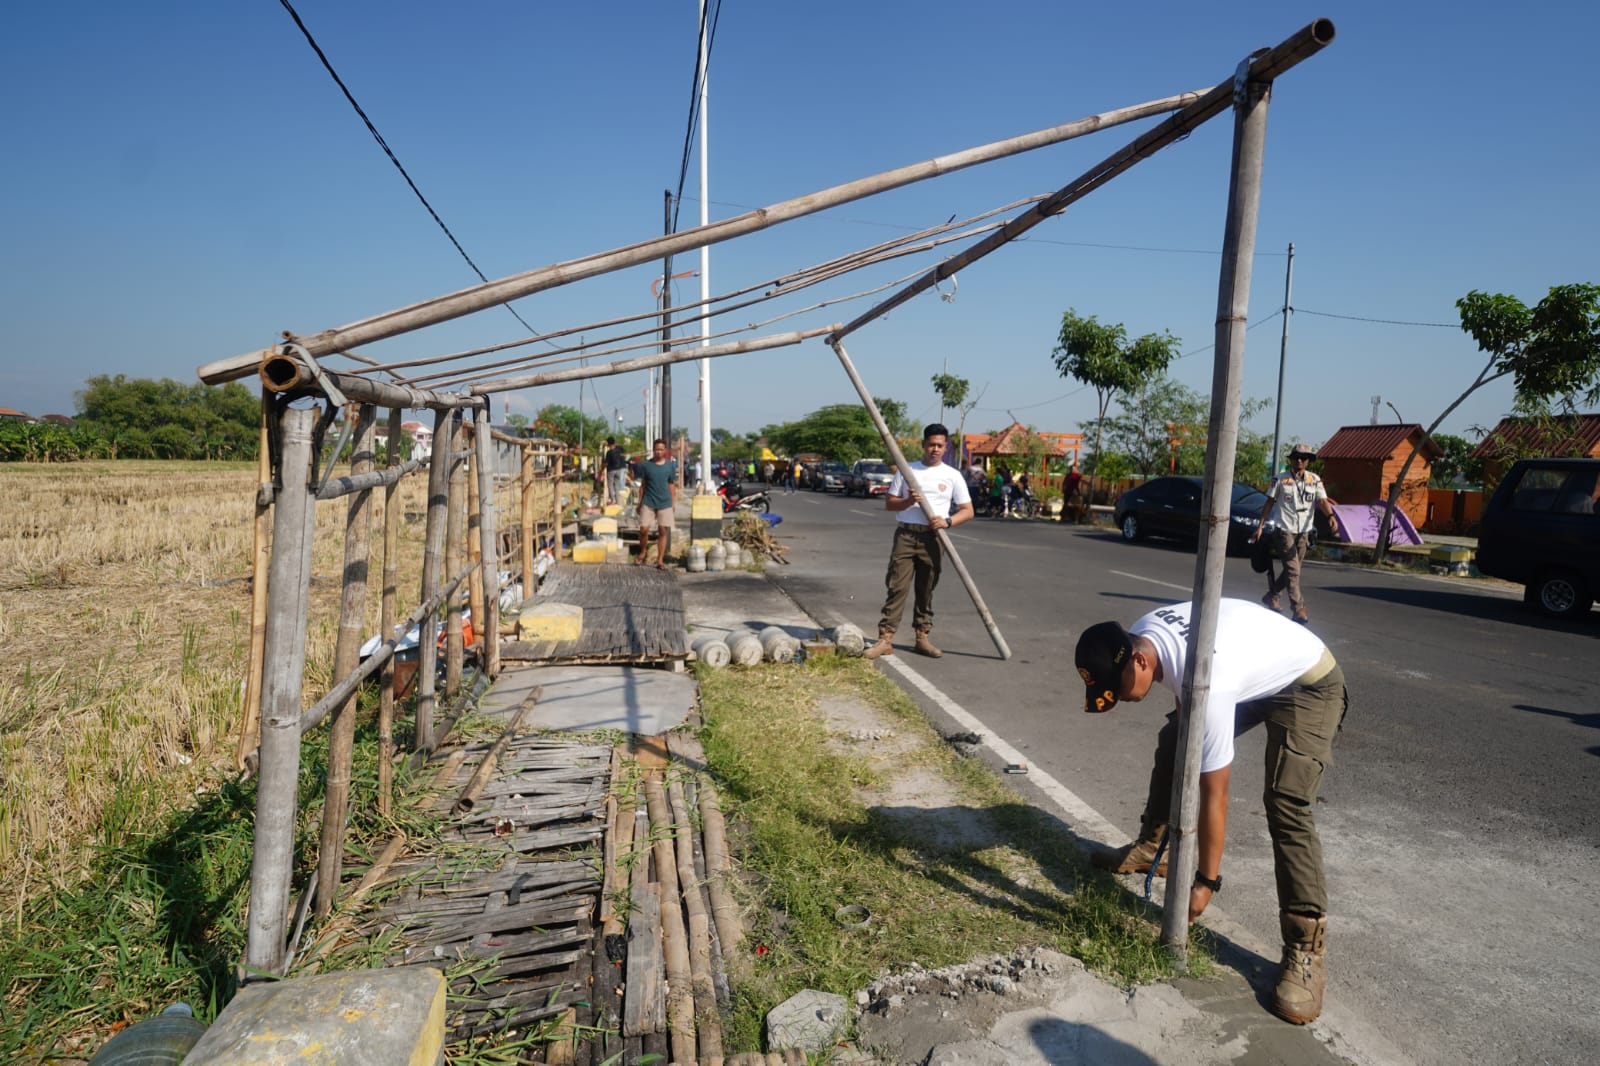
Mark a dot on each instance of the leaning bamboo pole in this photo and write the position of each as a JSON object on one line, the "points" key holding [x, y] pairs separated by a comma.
{"points": [[674, 939], [479, 297], [391, 582], [488, 626], [946, 547], [454, 551], [432, 563], [346, 655], [288, 609], [261, 560], [473, 790]]}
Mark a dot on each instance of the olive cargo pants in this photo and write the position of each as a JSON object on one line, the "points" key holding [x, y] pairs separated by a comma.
{"points": [[914, 563]]}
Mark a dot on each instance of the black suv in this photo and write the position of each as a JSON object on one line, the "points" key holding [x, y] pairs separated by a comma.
{"points": [[1542, 528]]}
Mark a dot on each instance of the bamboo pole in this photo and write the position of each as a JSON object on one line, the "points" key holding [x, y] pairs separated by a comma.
{"points": [[288, 609], [489, 551], [1251, 94], [491, 759], [474, 546], [343, 486], [724, 910], [525, 483], [622, 858], [284, 371], [346, 656], [454, 550], [262, 556], [432, 561], [555, 507], [477, 298], [680, 995], [391, 584], [645, 362], [707, 1022], [945, 546]]}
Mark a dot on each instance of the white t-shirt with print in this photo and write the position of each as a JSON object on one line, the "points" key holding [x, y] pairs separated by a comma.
{"points": [[940, 484], [1258, 652]]}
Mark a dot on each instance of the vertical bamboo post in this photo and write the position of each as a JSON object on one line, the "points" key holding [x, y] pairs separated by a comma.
{"points": [[262, 556], [1233, 308], [454, 546], [432, 562], [474, 544], [489, 550], [346, 657], [947, 548], [525, 483], [391, 582], [288, 607], [555, 505]]}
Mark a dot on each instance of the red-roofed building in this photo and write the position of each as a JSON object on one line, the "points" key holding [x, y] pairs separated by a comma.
{"points": [[1361, 463], [1012, 444], [1569, 436], [16, 415]]}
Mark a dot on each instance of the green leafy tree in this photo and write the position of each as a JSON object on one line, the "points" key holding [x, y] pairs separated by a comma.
{"points": [[518, 422], [1551, 352], [143, 418], [955, 392], [569, 425], [840, 431], [894, 413], [1102, 357], [1457, 465]]}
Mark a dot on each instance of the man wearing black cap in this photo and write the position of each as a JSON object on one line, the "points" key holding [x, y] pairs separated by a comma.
{"points": [[1292, 503], [1265, 669]]}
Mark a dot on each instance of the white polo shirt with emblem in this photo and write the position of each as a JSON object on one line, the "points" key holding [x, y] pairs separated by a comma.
{"points": [[940, 485]]}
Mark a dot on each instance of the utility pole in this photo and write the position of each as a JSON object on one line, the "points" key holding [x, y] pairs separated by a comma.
{"points": [[1283, 358], [666, 319], [705, 266]]}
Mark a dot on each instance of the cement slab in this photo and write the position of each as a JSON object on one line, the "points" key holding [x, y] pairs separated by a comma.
{"points": [[740, 601], [635, 699]]}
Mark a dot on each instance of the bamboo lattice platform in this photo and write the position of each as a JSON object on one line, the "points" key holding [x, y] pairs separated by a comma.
{"points": [[631, 614]]}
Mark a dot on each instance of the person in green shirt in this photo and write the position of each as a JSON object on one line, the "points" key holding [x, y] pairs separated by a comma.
{"points": [[658, 496]]}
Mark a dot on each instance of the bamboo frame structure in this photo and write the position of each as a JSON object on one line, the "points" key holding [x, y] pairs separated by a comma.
{"points": [[288, 491]]}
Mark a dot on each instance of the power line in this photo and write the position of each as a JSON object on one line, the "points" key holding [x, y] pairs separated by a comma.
{"points": [[1380, 321], [328, 66], [702, 64]]}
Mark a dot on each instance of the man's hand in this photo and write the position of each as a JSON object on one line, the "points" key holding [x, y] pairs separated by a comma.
{"points": [[939, 523], [1199, 896], [1256, 535]]}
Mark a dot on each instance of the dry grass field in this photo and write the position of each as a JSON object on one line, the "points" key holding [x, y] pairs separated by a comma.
{"points": [[125, 619]]}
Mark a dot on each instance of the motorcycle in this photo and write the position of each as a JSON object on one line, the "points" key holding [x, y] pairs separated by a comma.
{"points": [[734, 498]]}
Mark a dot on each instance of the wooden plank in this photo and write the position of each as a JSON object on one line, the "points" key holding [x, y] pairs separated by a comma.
{"points": [[643, 1004], [651, 752]]}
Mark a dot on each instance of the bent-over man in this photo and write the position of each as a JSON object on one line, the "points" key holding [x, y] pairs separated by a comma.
{"points": [[915, 558], [1265, 670]]}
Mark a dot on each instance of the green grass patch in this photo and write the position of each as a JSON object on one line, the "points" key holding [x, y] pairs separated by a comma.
{"points": [[813, 847]]}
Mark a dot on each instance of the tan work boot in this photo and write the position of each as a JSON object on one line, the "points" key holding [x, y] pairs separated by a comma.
{"points": [[884, 646], [925, 646], [1298, 996], [1133, 858], [1300, 616], [1270, 602]]}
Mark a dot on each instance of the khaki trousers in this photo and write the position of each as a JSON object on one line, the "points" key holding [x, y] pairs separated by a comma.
{"points": [[1290, 577], [1301, 722], [914, 563]]}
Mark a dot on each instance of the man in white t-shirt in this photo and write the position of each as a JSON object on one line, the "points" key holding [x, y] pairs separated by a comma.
{"points": [[916, 557], [1264, 669]]}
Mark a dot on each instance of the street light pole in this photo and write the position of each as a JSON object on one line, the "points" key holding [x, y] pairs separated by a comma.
{"points": [[705, 267]]}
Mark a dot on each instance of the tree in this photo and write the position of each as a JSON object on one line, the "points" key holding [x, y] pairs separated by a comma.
{"points": [[952, 391], [842, 431], [518, 422], [1162, 429], [894, 413], [569, 425], [1101, 357], [143, 418], [1550, 351], [1456, 465]]}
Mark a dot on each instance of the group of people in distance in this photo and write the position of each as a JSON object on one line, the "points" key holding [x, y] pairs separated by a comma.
{"points": [[1266, 671]]}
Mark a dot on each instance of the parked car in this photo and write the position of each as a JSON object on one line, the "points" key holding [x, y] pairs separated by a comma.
{"points": [[829, 477], [869, 477], [1170, 507], [1540, 528]]}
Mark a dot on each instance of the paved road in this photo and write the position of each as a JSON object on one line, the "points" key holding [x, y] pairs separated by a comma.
{"points": [[1459, 819]]}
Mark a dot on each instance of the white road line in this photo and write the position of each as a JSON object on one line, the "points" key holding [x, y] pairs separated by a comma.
{"points": [[1153, 581], [869, 514]]}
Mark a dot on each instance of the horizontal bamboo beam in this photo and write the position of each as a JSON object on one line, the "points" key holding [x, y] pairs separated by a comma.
{"points": [[477, 298], [389, 475], [285, 372], [1274, 61], [644, 362]]}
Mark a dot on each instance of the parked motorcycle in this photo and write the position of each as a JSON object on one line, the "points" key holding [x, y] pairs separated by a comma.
{"points": [[734, 498]]}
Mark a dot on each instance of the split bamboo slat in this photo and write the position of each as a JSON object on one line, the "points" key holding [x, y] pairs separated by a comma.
{"points": [[261, 556], [674, 937], [707, 1021], [643, 1010], [454, 557]]}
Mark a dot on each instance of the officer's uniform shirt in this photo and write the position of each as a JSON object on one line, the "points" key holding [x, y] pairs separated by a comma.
{"points": [[1294, 501]]}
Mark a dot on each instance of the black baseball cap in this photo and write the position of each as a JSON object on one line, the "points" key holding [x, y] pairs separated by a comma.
{"points": [[1103, 651]]}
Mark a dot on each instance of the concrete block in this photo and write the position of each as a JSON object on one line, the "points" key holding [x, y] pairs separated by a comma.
{"points": [[550, 621], [611, 510], [589, 551], [393, 1016], [605, 529], [810, 1020], [705, 520]]}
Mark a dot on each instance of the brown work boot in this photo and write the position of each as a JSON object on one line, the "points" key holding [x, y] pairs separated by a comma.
{"points": [[884, 646], [925, 646], [1270, 601], [1298, 996], [1132, 858], [1300, 616]]}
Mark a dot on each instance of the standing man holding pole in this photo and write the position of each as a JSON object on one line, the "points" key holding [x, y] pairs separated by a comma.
{"points": [[1265, 670], [916, 557]]}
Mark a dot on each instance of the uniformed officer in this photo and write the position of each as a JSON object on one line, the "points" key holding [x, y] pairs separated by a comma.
{"points": [[1290, 510]]}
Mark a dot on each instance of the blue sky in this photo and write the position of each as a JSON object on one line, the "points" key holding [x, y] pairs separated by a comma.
{"points": [[183, 180]]}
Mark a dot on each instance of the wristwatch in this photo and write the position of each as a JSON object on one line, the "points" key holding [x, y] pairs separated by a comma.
{"points": [[1213, 883]]}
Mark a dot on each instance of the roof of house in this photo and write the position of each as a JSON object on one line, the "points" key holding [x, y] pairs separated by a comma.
{"points": [[1375, 442], [11, 412], [1530, 433], [1009, 441]]}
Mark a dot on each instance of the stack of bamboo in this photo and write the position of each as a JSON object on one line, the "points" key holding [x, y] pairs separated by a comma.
{"points": [[667, 905]]}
